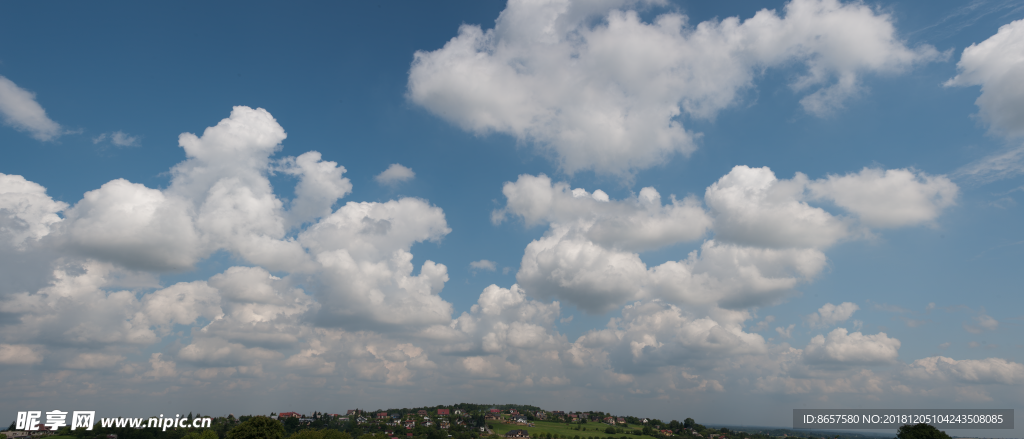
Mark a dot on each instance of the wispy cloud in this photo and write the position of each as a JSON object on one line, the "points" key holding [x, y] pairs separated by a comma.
{"points": [[118, 138], [967, 15], [994, 167], [21, 111]]}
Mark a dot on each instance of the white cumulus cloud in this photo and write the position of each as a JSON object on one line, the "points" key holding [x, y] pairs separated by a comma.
{"points": [[830, 314], [997, 64], [845, 348], [26, 212], [395, 174], [890, 197], [597, 87]]}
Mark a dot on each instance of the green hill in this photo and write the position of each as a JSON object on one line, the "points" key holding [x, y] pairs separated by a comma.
{"points": [[588, 430]]}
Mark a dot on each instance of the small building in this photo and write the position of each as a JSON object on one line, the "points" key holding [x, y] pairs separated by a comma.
{"points": [[382, 415], [518, 433], [288, 415], [442, 412], [422, 413]]}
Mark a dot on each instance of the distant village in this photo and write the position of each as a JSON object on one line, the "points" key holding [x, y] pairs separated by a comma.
{"points": [[460, 421]]}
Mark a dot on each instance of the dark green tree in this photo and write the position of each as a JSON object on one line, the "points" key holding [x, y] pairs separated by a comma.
{"points": [[335, 434], [689, 423], [259, 427], [205, 434], [291, 424], [920, 431]]}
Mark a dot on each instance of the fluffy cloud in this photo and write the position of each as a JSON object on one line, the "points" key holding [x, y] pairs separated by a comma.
{"points": [[842, 347], [251, 314], [327, 296], [600, 89], [888, 198], [366, 276], [181, 304], [655, 334], [135, 226], [751, 206], [395, 174], [26, 212], [22, 112], [830, 314], [504, 319], [597, 279], [320, 185], [767, 237], [483, 264], [635, 224], [219, 198], [997, 64], [90, 304], [355, 259]]}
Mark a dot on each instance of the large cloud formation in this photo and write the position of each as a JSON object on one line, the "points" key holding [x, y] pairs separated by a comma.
{"points": [[768, 238], [997, 65], [322, 295], [598, 88]]}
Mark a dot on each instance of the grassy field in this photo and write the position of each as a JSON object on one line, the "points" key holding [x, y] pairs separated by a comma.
{"points": [[567, 430]]}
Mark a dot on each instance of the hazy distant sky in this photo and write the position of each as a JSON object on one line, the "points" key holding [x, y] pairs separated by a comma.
{"points": [[717, 210]]}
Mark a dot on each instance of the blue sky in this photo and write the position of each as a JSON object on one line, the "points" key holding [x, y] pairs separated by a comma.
{"points": [[669, 209]]}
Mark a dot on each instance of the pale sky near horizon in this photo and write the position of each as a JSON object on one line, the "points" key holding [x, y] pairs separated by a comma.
{"points": [[654, 208]]}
